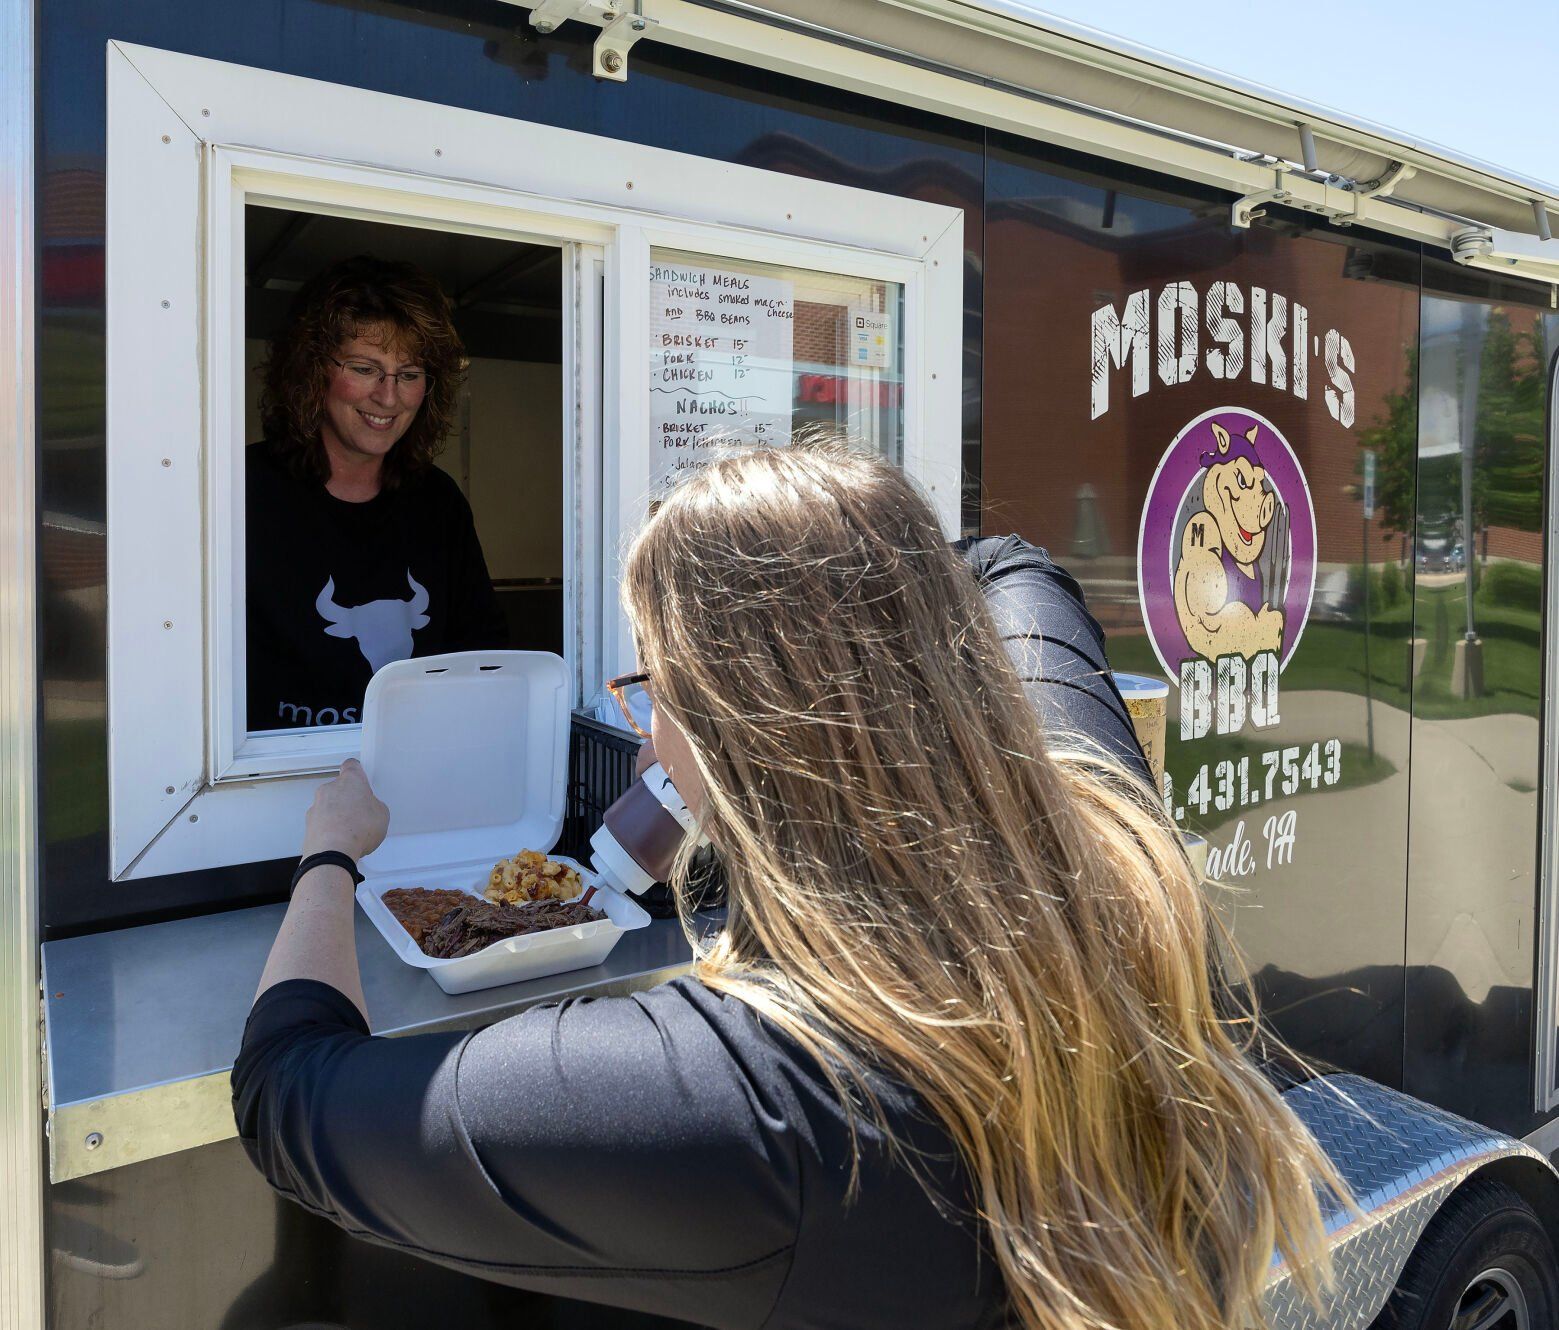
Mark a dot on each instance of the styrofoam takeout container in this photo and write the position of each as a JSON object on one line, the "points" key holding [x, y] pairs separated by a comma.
{"points": [[470, 751]]}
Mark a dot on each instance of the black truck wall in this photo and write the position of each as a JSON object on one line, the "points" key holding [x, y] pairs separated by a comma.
{"points": [[1385, 893]]}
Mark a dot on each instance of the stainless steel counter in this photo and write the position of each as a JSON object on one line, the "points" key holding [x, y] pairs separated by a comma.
{"points": [[141, 1025]]}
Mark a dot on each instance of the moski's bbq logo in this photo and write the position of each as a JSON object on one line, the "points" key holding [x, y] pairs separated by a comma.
{"points": [[1226, 568]]}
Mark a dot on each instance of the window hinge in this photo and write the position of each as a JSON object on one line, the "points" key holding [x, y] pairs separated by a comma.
{"points": [[619, 34], [1245, 210], [622, 24], [550, 14], [43, 1053]]}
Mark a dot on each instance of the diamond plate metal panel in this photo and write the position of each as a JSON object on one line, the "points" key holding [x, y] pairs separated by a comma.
{"points": [[1401, 1159]]}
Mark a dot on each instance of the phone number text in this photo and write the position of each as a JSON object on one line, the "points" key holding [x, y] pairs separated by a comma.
{"points": [[1237, 783]]}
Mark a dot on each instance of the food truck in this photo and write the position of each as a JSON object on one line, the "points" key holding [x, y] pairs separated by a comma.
{"points": [[1273, 382]]}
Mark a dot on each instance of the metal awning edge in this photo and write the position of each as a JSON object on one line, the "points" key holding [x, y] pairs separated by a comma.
{"points": [[1080, 41], [969, 60]]}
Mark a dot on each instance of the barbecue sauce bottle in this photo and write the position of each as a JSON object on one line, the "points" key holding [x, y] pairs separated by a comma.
{"points": [[638, 841]]}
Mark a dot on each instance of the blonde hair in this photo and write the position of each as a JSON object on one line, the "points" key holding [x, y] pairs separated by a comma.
{"points": [[915, 882]]}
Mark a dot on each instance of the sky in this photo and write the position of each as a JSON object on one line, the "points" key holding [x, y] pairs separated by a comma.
{"points": [[1479, 78]]}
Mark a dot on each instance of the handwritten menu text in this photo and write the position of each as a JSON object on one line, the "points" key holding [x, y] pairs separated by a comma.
{"points": [[721, 365]]}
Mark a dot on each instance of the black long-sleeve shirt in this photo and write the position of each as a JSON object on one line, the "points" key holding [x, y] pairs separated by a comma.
{"points": [[335, 590], [669, 1151], [1057, 646]]}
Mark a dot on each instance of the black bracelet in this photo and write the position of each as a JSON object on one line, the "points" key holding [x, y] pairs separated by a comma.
{"points": [[338, 857]]}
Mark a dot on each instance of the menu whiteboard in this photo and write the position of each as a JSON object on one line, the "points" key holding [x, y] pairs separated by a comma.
{"points": [[721, 365]]}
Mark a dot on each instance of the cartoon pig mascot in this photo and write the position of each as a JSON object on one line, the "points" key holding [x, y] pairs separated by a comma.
{"points": [[1218, 593]]}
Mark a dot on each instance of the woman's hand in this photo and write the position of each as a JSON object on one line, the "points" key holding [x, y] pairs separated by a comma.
{"points": [[316, 937], [646, 757], [345, 815]]}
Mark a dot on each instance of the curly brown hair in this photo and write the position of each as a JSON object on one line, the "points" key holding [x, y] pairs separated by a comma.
{"points": [[333, 307]]}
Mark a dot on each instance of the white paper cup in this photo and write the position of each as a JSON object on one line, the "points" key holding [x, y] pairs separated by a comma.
{"points": [[1147, 703]]}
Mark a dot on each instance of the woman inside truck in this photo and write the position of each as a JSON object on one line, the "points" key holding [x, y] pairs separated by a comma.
{"points": [[954, 1059], [360, 550]]}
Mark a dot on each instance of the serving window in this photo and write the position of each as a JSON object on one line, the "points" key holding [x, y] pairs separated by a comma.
{"points": [[317, 622], [571, 264]]}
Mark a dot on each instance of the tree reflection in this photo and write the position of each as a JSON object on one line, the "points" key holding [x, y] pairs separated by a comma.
{"points": [[1424, 473], [1508, 456]]}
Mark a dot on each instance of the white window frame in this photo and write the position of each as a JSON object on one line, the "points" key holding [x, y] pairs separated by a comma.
{"points": [[190, 143], [235, 180]]}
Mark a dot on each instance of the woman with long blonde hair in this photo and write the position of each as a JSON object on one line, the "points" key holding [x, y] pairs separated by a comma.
{"points": [[954, 1058]]}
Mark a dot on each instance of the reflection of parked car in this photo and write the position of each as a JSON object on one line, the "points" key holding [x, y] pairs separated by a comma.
{"points": [[1438, 557]]}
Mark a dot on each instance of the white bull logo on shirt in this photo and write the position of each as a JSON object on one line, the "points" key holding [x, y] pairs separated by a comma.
{"points": [[383, 628]]}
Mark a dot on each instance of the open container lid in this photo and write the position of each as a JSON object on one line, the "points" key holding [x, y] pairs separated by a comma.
{"points": [[469, 751], [1139, 686]]}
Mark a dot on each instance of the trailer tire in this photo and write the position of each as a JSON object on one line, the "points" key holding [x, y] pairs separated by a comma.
{"points": [[1485, 1247]]}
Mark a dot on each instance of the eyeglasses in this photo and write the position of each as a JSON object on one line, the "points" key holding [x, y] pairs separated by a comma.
{"points": [[633, 696], [413, 380]]}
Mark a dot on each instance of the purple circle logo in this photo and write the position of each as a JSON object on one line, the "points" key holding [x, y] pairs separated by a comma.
{"points": [[1226, 553]]}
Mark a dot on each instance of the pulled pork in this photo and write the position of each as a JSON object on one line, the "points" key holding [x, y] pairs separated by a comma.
{"points": [[471, 927]]}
